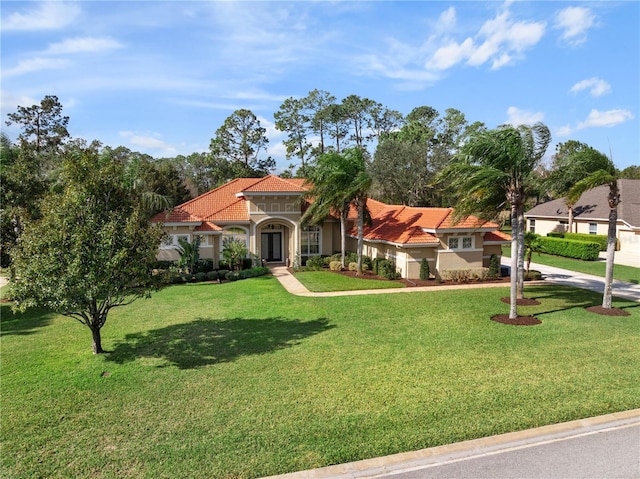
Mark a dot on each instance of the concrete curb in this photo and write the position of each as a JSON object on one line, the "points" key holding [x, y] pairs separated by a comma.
{"points": [[407, 461]]}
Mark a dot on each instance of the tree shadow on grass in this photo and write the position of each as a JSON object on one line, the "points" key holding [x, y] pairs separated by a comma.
{"points": [[206, 341], [22, 324], [572, 297]]}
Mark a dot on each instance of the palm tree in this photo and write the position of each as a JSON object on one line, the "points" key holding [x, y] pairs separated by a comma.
{"points": [[338, 181], [493, 170], [328, 182], [608, 177]]}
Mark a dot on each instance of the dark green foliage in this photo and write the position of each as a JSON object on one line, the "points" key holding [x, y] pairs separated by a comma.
{"points": [[600, 239], [246, 273], [494, 266], [201, 276], [532, 275], [163, 264], [212, 275], [204, 266], [424, 269], [555, 234], [569, 248], [385, 268], [315, 263], [222, 274]]}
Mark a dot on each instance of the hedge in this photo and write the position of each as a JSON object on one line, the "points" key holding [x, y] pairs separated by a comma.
{"points": [[600, 239], [570, 248]]}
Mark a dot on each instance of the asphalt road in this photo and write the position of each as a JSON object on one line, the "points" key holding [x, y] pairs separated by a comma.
{"points": [[609, 453], [602, 447]]}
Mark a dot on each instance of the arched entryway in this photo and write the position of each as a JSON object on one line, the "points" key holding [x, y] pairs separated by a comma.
{"points": [[274, 240]]}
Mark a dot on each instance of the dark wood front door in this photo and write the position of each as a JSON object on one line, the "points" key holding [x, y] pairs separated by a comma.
{"points": [[272, 246]]}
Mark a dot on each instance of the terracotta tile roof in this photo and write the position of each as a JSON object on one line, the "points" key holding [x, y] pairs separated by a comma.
{"points": [[497, 235], [406, 225], [207, 226], [275, 184]]}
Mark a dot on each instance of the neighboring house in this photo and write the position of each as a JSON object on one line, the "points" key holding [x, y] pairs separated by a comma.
{"points": [[265, 213], [591, 215]]}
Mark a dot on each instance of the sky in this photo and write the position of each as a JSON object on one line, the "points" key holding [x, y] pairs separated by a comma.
{"points": [[160, 77]]}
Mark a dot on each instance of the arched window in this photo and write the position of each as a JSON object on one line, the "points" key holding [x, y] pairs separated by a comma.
{"points": [[310, 241]]}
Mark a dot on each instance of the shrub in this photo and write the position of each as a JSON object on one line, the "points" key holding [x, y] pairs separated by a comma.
{"points": [[465, 275], [232, 275], [532, 275], [354, 266], [315, 263], [212, 275], [555, 234], [494, 266], [247, 263], [161, 264], [200, 276], [570, 248], [188, 278], [386, 269], [247, 273], [204, 266], [335, 266], [600, 239], [424, 269], [222, 274]]}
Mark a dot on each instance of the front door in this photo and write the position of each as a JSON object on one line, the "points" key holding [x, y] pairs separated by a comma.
{"points": [[272, 246]]}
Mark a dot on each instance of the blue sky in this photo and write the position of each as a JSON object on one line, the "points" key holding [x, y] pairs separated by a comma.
{"points": [[161, 77]]}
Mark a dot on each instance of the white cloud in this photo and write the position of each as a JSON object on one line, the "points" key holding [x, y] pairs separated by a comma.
{"points": [[516, 116], [35, 64], [607, 119], [500, 41], [149, 143], [598, 119], [575, 22], [596, 86], [83, 45], [44, 16]]}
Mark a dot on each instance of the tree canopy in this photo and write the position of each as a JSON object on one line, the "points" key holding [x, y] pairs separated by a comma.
{"points": [[92, 249]]}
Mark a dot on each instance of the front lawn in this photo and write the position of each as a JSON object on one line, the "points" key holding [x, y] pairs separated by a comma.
{"points": [[621, 272], [242, 380], [323, 281]]}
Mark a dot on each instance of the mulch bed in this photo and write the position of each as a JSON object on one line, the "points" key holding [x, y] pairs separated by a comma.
{"points": [[415, 283], [607, 311], [518, 321], [522, 301]]}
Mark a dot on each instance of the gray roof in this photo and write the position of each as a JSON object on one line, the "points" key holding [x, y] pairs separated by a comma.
{"points": [[593, 205]]}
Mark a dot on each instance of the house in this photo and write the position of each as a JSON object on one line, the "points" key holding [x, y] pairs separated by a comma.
{"points": [[591, 215], [265, 213]]}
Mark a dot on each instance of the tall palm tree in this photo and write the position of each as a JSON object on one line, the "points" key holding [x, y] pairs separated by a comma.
{"points": [[338, 181], [328, 181], [494, 170], [607, 177]]}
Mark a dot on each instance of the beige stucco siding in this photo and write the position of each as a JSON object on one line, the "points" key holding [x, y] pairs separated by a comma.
{"points": [[629, 241]]}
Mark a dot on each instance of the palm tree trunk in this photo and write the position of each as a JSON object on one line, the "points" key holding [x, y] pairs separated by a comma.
{"points": [[520, 235], [611, 250], [570, 225], [343, 236], [361, 207], [513, 300]]}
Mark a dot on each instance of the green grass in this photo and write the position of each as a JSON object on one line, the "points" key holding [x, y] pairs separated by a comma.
{"points": [[323, 281], [597, 268], [243, 380]]}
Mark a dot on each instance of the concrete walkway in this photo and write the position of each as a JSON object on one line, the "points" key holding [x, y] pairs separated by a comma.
{"points": [[550, 274]]}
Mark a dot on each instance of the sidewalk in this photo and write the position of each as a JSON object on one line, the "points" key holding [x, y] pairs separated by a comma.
{"points": [[550, 274]]}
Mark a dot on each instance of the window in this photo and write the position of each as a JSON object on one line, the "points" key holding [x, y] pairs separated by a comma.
{"points": [[593, 228], [461, 242], [532, 226], [171, 241], [275, 207], [310, 241]]}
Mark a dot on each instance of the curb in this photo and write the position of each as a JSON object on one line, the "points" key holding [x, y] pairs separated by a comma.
{"points": [[404, 462]]}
